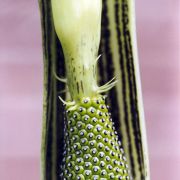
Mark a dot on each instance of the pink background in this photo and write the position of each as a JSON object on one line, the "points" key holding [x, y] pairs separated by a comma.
{"points": [[158, 30]]}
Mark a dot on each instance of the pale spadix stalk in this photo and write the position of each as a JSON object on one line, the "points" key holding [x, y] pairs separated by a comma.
{"points": [[77, 25]]}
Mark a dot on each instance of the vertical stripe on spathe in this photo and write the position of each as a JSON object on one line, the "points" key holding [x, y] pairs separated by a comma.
{"points": [[118, 50]]}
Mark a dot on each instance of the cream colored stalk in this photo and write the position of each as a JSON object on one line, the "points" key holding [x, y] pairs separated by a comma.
{"points": [[78, 27]]}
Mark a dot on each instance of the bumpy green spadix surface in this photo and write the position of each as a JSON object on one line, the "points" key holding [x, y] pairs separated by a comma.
{"points": [[91, 146]]}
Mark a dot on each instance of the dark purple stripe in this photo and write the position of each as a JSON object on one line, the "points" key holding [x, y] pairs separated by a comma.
{"points": [[123, 84], [114, 105], [132, 86]]}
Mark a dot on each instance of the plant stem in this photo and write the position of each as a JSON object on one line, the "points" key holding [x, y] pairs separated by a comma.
{"points": [[78, 27]]}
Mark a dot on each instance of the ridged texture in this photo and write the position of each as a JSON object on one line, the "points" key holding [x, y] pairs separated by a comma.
{"points": [[119, 57], [91, 146]]}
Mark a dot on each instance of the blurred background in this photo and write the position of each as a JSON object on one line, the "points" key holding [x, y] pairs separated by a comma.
{"points": [[21, 76]]}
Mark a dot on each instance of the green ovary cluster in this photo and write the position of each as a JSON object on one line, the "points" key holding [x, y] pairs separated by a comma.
{"points": [[91, 146]]}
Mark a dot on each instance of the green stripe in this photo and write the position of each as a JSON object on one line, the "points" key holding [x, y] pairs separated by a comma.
{"points": [[52, 109], [116, 49], [121, 51], [119, 57]]}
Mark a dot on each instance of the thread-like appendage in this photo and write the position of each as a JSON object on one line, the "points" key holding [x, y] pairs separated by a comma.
{"points": [[91, 146]]}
